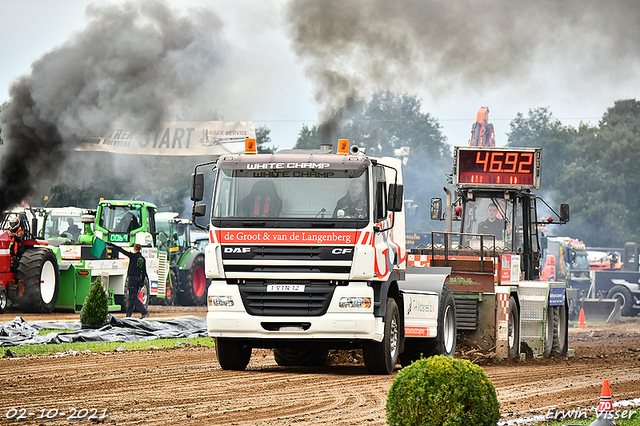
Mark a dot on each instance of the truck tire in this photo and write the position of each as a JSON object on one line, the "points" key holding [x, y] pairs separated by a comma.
{"points": [[39, 270], [381, 357], [307, 357], [514, 330], [195, 284], [623, 294], [3, 299], [232, 354], [444, 343], [144, 297]]}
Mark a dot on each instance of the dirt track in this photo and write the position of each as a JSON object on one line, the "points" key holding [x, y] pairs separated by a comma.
{"points": [[186, 386]]}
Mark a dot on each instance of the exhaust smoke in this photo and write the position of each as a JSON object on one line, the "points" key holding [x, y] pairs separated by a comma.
{"points": [[138, 64], [352, 48]]}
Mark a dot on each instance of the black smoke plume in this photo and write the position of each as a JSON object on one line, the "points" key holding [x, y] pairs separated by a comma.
{"points": [[360, 46], [137, 64]]}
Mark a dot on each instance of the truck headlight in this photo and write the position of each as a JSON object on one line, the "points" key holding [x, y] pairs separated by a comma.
{"points": [[355, 302], [221, 301]]}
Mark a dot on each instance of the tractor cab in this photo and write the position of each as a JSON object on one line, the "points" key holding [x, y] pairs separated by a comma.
{"points": [[126, 222]]}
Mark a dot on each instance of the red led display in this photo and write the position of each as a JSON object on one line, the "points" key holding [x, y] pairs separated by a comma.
{"points": [[498, 167]]}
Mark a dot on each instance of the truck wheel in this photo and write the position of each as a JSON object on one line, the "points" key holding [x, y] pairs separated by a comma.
{"points": [[514, 329], [444, 343], [232, 354], [626, 300], [560, 343], [381, 358], [308, 357], [171, 291], [195, 284], [39, 271], [3, 299]]}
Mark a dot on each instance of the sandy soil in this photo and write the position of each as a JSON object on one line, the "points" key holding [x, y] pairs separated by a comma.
{"points": [[185, 386]]}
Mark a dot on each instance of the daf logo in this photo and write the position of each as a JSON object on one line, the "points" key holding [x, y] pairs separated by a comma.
{"points": [[339, 251], [237, 250]]}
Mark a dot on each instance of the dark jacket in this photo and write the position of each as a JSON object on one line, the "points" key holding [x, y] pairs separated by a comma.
{"points": [[137, 263]]}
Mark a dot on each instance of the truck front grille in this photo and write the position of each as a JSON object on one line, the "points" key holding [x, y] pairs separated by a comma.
{"points": [[314, 301]]}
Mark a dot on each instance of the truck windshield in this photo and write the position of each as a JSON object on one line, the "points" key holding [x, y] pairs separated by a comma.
{"points": [[301, 194], [120, 218]]}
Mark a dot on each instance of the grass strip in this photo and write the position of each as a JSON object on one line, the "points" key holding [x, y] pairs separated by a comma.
{"points": [[41, 350]]}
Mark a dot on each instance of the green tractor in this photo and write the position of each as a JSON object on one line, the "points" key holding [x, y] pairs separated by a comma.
{"points": [[187, 283], [125, 223]]}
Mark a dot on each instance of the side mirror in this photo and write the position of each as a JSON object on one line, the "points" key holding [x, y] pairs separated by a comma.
{"points": [[199, 210], [564, 213], [395, 198], [436, 208], [197, 187]]}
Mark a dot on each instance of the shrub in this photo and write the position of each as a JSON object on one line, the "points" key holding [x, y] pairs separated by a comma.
{"points": [[442, 391], [96, 307]]}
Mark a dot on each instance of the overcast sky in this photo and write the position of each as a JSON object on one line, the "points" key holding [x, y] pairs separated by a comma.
{"points": [[273, 87]]}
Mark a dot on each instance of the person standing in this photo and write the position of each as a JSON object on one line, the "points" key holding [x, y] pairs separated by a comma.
{"points": [[136, 275]]}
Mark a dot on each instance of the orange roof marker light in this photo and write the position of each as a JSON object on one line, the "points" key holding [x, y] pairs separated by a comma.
{"points": [[343, 146], [250, 146]]}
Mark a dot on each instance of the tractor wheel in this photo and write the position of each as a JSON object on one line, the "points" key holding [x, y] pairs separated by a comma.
{"points": [[3, 299], [171, 292], [307, 357], [514, 329], [39, 271], [626, 300], [381, 357], [232, 354], [444, 343], [549, 330], [195, 284], [143, 295], [560, 332]]}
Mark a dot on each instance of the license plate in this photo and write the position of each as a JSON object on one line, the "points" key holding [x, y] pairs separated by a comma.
{"points": [[286, 288]]}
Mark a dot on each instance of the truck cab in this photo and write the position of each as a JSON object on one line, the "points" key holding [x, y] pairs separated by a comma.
{"points": [[306, 253]]}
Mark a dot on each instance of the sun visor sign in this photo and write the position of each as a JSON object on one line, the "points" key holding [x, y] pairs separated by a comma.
{"points": [[497, 167]]}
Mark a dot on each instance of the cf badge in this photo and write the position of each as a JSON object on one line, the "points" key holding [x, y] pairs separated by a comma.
{"points": [[341, 250]]}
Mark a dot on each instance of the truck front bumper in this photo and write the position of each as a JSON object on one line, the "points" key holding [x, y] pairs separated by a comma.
{"points": [[232, 321]]}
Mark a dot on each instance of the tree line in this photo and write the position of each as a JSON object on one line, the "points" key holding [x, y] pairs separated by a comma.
{"points": [[593, 168]]}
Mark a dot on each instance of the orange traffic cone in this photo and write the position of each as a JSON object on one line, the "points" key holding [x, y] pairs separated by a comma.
{"points": [[582, 322], [605, 407]]}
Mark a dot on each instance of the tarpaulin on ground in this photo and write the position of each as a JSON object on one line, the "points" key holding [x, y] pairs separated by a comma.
{"points": [[20, 332]]}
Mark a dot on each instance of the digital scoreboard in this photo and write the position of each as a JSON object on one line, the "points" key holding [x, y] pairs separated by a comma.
{"points": [[118, 238], [497, 167]]}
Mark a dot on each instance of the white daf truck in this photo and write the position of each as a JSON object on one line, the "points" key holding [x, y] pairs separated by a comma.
{"points": [[301, 262]]}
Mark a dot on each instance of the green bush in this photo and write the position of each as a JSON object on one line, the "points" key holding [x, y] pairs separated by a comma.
{"points": [[442, 391], [96, 307]]}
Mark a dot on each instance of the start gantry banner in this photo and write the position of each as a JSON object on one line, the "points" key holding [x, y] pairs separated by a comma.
{"points": [[176, 138]]}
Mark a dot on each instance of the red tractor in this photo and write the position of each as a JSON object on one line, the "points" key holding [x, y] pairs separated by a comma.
{"points": [[29, 274]]}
